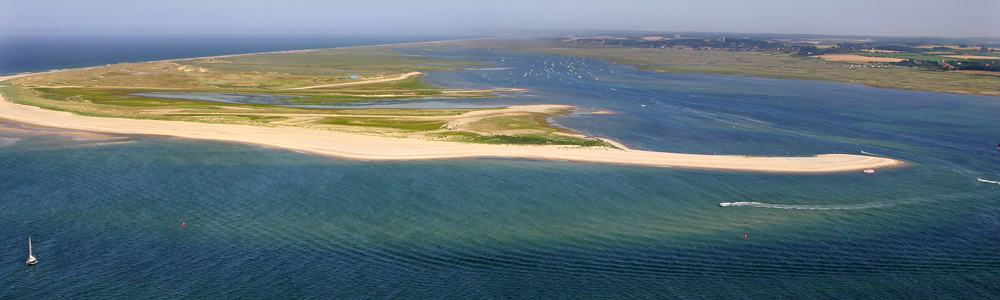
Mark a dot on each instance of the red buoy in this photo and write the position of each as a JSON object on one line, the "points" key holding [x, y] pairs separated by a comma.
{"points": [[183, 224], [744, 236]]}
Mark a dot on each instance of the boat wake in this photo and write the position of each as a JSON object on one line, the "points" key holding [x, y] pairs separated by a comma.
{"points": [[806, 207], [869, 205], [490, 69], [987, 181]]}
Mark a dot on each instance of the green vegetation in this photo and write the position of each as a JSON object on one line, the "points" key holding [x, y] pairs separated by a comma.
{"points": [[119, 97]]}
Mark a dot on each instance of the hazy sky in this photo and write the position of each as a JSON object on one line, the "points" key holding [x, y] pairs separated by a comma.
{"points": [[955, 18]]}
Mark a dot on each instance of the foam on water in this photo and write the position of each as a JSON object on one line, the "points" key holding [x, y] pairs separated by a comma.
{"points": [[987, 181], [7, 141], [807, 207]]}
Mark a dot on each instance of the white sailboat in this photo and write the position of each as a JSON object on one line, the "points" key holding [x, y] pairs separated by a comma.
{"points": [[31, 257]]}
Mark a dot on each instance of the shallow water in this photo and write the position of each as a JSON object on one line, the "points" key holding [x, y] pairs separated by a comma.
{"points": [[157, 217]]}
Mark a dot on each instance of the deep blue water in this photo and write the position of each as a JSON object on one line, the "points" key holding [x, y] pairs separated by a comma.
{"points": [[106, 215]]}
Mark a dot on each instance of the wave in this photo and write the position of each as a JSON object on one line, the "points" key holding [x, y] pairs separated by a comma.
{"points": [[806, 207], [987, 181], [100, 144], [5, 141]]}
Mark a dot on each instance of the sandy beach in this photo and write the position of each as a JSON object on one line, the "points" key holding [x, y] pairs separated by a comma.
{"points": [[366, 147]]}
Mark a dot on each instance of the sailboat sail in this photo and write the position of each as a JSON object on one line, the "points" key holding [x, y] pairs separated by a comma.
{"points": [[31, 256]]}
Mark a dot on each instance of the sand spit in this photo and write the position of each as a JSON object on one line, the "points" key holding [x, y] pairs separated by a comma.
{"points": [[382, 148], [366, 147]]}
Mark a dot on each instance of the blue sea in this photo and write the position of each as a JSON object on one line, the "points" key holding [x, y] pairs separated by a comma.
{"points": [[155, 217]]}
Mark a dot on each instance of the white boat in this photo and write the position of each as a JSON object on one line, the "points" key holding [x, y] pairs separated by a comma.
{"points": [[869, 170], [31, 256]]}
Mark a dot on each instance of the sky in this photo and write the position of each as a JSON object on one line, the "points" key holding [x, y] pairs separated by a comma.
{"points": [[955, 18]]}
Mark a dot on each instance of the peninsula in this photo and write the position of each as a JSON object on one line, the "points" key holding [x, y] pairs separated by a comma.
{"points": [[104, 99]]}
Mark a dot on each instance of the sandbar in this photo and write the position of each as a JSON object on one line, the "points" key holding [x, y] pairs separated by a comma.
{"points": [[366, 147]]}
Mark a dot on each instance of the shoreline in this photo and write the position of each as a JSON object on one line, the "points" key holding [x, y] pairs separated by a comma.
{"points": [[366, 147]]}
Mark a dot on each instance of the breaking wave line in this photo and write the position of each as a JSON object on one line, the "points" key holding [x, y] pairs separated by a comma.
{"points": [[873, 154], [5, 141], [987, 181]]}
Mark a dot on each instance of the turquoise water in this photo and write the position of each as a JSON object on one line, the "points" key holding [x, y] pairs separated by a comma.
{"points": [[106, 215]]}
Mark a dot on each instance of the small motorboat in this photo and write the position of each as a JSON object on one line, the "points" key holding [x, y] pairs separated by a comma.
{"points": [[869, 170]]}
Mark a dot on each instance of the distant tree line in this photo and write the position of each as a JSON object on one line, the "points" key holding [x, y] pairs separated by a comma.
{"points": [[753, 45], [813, 50], [857, 47], [981, 65]]}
